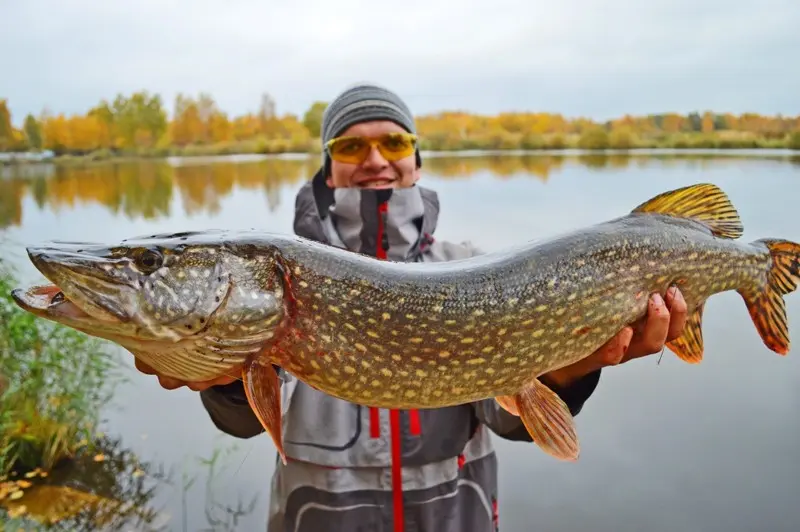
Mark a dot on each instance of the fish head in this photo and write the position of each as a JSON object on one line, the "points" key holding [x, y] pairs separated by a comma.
{"points": [[150, 293]]}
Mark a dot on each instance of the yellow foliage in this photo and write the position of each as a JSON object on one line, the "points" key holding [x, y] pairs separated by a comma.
{"points": [[138, 125]]}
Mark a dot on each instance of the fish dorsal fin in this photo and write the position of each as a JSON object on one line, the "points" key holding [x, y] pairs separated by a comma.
{"points": [[705, 203]]}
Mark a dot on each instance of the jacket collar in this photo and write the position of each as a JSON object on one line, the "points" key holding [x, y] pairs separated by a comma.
{"points": [[353, 218]]}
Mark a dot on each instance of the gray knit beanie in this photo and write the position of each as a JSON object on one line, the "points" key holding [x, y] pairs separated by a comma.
{"points": [[361, 103]]}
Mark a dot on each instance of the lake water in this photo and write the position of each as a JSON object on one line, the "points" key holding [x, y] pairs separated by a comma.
{"points": [[665, 447]]}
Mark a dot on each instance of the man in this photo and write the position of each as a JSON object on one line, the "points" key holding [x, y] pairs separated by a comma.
{"points": [[344, 460]]}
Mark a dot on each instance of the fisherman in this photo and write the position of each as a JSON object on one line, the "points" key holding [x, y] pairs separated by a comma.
{"points": [[344, 469]]}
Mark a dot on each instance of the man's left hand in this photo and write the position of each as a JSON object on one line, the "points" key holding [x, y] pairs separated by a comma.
{"points": [[664, 321]]}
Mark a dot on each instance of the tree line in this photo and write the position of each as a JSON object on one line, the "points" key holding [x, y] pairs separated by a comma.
{"points": [[138, 125]]}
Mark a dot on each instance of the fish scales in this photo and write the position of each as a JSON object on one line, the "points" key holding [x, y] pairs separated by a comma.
{"points": [[453, 335], [422, 335]]}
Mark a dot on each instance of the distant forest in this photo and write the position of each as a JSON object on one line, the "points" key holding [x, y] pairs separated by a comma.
{"points": [[138, 126]]}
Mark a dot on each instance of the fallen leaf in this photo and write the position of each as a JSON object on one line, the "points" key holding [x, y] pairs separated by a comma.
{"points": [[16, 495], [99, 457], [17, 511]]}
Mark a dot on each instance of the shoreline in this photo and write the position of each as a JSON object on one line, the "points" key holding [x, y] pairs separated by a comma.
{"points": [[245, 156]]}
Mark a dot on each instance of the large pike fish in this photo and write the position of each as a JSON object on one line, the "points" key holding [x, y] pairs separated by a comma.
{"points": [[396, 335]]}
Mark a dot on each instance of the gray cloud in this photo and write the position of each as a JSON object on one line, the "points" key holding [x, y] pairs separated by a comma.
{"points": [[577, 57]]}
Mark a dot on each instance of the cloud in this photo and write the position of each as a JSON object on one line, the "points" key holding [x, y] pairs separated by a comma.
{"points": [[578, 57]]}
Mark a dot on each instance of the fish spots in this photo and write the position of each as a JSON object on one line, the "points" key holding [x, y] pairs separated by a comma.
{"points": [[468, 340], [334, 308], [580, 331], [540, 308], [537, 333], [386, 372], [475, 361], [444, 354], [350, 370], [386, 316]]}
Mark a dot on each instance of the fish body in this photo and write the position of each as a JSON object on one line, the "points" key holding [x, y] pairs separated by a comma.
{"points": [[428, 335]]}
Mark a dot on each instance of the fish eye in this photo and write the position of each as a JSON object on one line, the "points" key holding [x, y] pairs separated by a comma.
{"points": [[148, 260]]}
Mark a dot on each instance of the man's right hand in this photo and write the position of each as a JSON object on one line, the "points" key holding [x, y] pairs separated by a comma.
{"points": [[169, 383]]}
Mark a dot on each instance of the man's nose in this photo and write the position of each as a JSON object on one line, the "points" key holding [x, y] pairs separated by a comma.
{"points": [[375, 159]]}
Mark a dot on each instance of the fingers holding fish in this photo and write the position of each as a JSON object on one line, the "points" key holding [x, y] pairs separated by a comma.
{"points": [[168, 383], [678, 312], [654, 330]]}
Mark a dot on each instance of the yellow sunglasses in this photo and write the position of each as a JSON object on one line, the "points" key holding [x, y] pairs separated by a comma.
{"points": [[354, 150]]}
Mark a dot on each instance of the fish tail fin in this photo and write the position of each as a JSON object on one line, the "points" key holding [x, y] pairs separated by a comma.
{"points": [[766, 305], [704, 203]]}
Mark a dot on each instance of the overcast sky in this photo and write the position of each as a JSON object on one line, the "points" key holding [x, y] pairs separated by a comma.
{"points": [[577, 57]]}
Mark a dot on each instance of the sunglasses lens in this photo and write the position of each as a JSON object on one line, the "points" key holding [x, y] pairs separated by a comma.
{"points": [[398, 146], [349, 149]]}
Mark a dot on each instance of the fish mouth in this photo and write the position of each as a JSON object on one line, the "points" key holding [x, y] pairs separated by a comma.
{"points": [[48, 301], [83, 285]]}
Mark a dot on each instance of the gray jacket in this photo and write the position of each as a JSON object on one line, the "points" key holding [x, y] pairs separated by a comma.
{"points": [[344, 459]]}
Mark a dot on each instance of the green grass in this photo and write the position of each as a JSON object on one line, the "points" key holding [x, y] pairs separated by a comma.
{"points": [[55, 383]]}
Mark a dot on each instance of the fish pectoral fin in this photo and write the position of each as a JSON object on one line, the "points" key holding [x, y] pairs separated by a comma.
{"points": [[548, 420], [766, 306], [705, 203], [689, 345], [508, 403], [263, 390]]}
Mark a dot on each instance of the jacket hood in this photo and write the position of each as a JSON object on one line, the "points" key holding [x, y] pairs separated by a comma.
{"points": [[355, 219]]}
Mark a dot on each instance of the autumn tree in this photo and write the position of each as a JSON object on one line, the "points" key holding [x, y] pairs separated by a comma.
{"points": [[6, 128], [139, 120], [33, 132], [312, 119]]}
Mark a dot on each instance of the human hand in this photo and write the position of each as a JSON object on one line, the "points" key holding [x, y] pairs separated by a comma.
{"points": [[169, 383], [664, 321]]}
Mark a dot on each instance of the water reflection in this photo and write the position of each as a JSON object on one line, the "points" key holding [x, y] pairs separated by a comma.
{"points": [[107, 487], [146, 189], [104, 487]]}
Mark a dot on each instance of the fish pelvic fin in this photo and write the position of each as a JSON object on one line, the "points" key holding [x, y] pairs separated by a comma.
{"points": [[766, 306], [705, 203], [548, 420], [689, 345], [263, 391], [508, 403]]}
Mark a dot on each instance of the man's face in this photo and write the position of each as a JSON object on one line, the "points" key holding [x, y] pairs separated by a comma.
{"points": [[375, 171]]}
